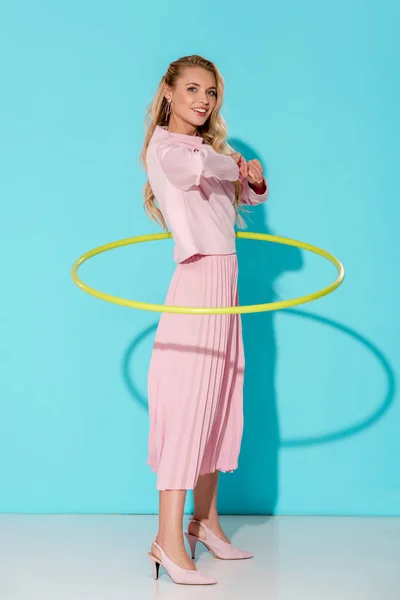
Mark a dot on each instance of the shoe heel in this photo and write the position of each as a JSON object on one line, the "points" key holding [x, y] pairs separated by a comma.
{"points": [[179, 574], [192, 543], [156, 565], [218, 547]]}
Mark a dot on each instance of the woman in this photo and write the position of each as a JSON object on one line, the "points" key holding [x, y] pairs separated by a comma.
{"points": [[195, 381]]}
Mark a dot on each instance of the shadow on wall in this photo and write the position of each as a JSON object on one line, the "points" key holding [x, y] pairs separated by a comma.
{"points": [[254, 487]]}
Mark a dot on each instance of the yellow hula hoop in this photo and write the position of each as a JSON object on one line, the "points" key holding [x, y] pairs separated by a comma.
{"points": [[250, 308]]}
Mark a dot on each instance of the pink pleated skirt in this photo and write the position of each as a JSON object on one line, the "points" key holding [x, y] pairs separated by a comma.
{"points": [[195, 379]]}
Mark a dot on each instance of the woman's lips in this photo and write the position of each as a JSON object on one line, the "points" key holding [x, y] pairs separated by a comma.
{"points": [[202, 114]]}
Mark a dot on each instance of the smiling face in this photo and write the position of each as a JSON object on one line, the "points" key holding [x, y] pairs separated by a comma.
{"points": [[193, 99]]}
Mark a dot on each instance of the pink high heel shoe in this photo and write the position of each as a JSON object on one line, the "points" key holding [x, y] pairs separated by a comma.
{"points": [[215, 545], [178, 574]]}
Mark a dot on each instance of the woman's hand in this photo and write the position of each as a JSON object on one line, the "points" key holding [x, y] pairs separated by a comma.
{"points": [[241, 163], [252, 169], [255, 175]]}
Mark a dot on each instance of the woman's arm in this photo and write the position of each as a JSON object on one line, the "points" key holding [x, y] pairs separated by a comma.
{"points": [[184, 165]]}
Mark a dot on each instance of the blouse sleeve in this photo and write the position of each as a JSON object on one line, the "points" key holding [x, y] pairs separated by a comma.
{"points": [[249, 196], [185, 165]]}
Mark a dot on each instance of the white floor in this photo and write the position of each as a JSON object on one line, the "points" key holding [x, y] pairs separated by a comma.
{"points": [[104, 557]]}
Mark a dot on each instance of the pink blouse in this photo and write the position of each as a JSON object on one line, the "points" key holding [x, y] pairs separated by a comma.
{"points": [[193, 185]]}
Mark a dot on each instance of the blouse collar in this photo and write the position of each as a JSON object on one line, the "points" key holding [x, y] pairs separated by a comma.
{"points": [[162, 132]]}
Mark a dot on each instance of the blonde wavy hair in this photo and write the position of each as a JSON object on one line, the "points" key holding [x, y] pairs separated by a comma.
{"points": [[213, 131]]}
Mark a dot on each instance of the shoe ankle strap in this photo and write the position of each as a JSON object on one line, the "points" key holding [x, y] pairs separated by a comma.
{"points": [[200, 523]]}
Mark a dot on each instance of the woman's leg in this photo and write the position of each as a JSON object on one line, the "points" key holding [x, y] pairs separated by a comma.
{"points": [[170, 531], [205, 506]]}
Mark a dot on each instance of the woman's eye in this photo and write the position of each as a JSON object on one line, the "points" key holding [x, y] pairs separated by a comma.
{"points": [[211, 91]]}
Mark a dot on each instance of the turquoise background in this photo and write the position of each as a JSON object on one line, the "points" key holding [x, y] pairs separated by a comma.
{"points": [[312, 90]]}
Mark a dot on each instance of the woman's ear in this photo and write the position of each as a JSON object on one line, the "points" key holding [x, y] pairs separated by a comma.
{"points": [[167, 93]]}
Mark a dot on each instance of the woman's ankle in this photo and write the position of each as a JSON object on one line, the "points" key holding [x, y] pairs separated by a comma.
{"points": [[207, 520], [170, 539]]}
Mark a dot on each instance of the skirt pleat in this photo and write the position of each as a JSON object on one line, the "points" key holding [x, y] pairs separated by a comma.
{"points": [[195, 380]]}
